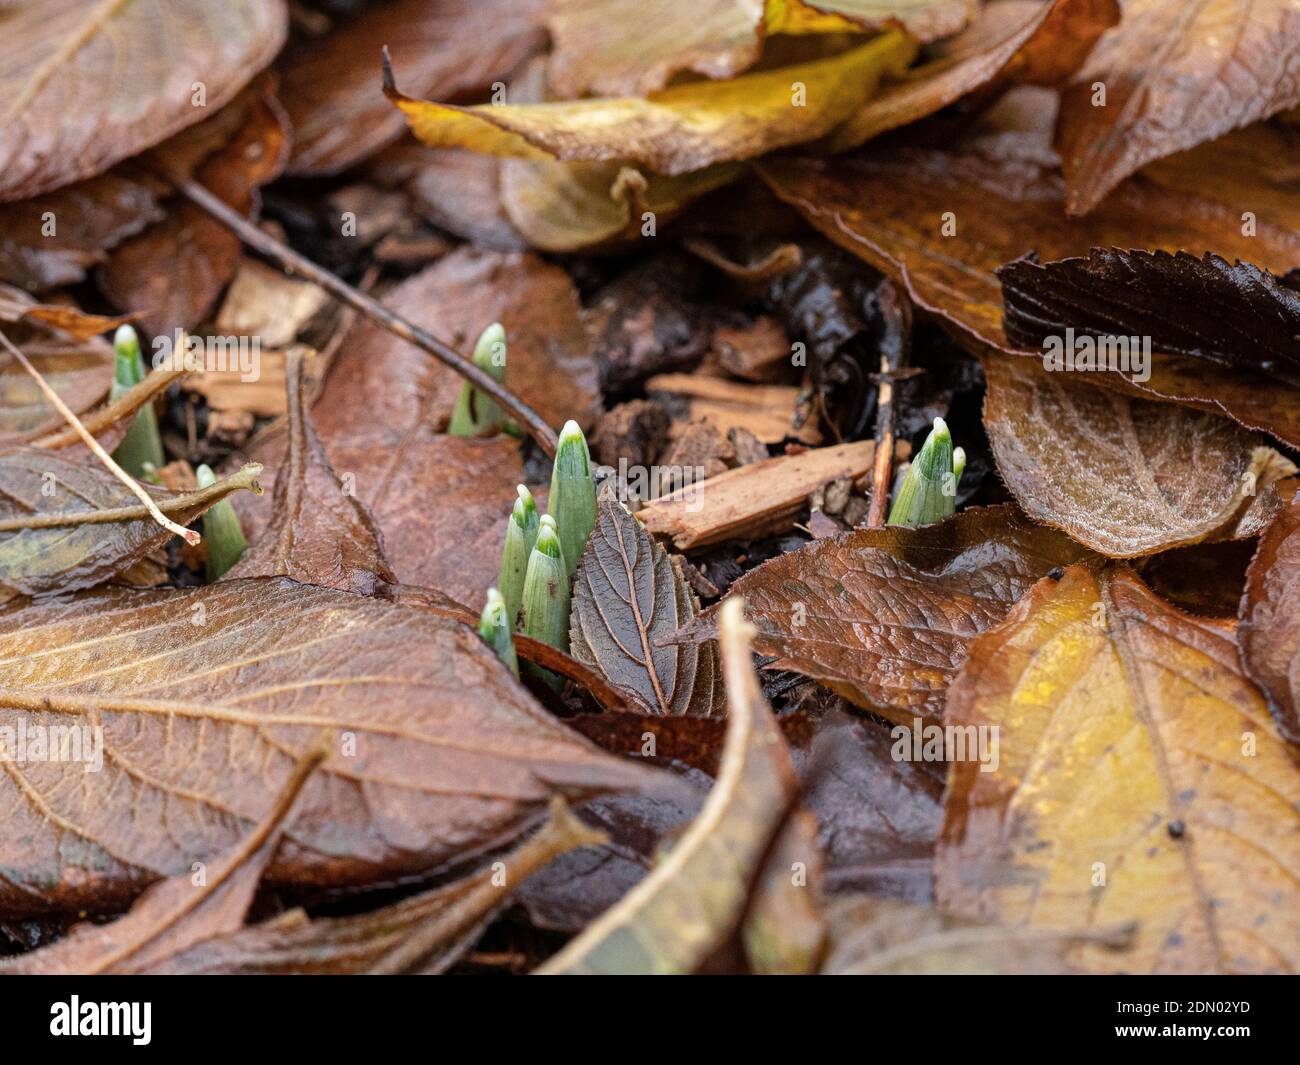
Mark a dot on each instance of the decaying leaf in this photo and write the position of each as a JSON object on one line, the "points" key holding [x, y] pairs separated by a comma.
{"points": [[1174, 74], [676, 130], [203, 694], [17, 306], [38, 486], [1123, 476], [440, 48], [688, 905], [942, 221], [884, 937], [68, 113], [1140, 780], [627, 597], [1269, 632], [884, 617], [318, 533], [1235, 314]]}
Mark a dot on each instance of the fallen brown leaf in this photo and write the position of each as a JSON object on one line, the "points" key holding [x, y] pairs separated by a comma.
{"points": [[68, 112], [1270, 620], [203, 693]]}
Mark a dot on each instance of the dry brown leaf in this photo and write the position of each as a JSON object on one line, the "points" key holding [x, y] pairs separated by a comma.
{"points": [[627, 597], [1269, 633], [1139, 780], [1174, 74], [318, 533], [1003, 198], [884, 617], [677, 130], [687, 907], [206, 696], [1010, 41], [1123, 476], [198, 254], [68, 113], [37, 484], [441, 48], [79, 371]]}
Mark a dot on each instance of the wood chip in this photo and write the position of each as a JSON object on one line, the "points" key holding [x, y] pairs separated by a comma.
{"points": [[767, 411], [752, 501]]}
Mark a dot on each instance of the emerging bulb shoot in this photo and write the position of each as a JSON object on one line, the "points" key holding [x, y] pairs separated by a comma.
{"points": [[573, 493], [544, 614], [929, 489], [521, 534], [475, 413], [495, 628], [222, 533], [142, 445]]}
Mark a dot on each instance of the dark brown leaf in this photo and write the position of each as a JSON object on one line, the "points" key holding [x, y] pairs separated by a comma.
{"points": [[627, 597], [884, 616], [1237, 315], [1006, 200]]}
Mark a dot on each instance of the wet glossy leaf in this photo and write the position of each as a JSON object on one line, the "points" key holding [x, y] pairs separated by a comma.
{"points": [[884, 616], [627, 597], [1123, 476], [1139, 780], [1234, 314], [206, 696]]}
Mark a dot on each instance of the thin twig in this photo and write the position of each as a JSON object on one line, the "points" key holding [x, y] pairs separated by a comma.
{"points": [[247, 477], [894, 350], [189, 535], [290, 261]]}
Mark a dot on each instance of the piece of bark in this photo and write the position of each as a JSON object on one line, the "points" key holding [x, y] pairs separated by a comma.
{"points": [[635, 431], [752, 501], [759, 351], [226, 390], [269, 304], [768, 411], [698, 453], [746, 446]]}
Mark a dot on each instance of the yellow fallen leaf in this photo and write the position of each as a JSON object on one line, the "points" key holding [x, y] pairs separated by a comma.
{"points": [[678, 130], [1139, 779]]}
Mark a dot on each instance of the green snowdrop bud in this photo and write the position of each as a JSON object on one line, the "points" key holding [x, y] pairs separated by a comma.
{"points": [[494, 626], [928, 492], [142, 444], [521, 534], [573, 493], [958, 466], [221, 530], [545, 611], [476, 413]]}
